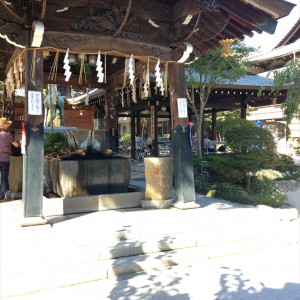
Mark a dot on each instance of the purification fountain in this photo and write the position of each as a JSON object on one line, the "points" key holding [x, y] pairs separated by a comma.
{"points": [[98, 171]]}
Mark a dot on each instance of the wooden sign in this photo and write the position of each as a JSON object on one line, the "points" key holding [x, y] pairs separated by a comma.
{"points": [[182, 107], [34, 103], [152, 112]]}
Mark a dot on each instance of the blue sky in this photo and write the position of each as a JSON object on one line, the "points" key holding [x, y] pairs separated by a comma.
{"points": [[265, 41]]}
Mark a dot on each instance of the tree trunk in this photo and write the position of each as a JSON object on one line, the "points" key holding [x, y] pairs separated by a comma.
{"points": [[198, 145]]}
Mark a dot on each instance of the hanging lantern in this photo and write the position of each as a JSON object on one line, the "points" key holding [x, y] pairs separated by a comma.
{"points": [[226, 47], [72, 59], [92, 60]]}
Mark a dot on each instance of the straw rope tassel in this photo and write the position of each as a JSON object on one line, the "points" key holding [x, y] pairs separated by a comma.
{"points": [[53, 71], [148, 78], [141, 87], [81, 70], [166, 81], [20, 65], [125, 71], [17, 74]]}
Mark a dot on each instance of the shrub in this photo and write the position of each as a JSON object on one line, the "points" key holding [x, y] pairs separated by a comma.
{"points": [[291, 176], [225, 191], [243, 136], [270, 195], [54, 142], [246, 138], [125, 138], [284, 163], [223, 126], [232, 167]]}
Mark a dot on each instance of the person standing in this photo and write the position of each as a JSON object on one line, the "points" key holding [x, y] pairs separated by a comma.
{"points": [[6, 140], [140, 143], [148, 141]]}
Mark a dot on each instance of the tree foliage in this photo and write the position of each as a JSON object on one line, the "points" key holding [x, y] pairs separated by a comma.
{"points": [[243, 136], [290, 75], [208, 71], [55, 141]]}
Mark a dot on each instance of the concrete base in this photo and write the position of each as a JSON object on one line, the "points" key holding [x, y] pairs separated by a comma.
{"points": [[186, 205], [33, 221], [160, 204], [13, 196], [71, 205]]}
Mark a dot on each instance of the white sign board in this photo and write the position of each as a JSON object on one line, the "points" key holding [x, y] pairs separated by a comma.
{"points": [[182, 107], [34, 103]]}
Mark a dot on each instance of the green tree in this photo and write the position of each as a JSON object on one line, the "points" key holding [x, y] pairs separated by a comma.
{"points": [[208, 71], [290, 75]]}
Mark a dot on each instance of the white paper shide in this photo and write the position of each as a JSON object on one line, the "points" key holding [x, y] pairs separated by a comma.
{"points": [[67, 66], [99, 68]]}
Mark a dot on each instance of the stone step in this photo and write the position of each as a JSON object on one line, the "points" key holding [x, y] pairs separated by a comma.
{"points": [[37, 255], [31, 270], [71, 274]]}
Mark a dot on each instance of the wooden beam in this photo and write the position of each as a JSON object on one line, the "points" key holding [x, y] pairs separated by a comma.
{"points": [[183, 8], [242, 11], [92, 82], [89, 43], [14, 34], [283, 8], [240, 28]]}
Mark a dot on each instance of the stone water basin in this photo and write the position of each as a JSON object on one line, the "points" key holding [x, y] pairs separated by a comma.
{"points": [[93, 174]]}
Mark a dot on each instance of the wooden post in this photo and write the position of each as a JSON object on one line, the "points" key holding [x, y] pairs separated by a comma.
{"points": [[213, 124], [243, 111], [243, 100], [182, 149], [50, 91], [111, 120], [132, 130], [138, 123], [153, 111], [177, 91], [33, 160]]}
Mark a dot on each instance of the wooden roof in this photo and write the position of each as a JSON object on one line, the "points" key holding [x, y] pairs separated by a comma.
{"points": [[292, 36], [155, 29], [286, 51]]}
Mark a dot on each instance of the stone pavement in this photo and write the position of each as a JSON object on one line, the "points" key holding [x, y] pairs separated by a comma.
{"points": [[88, 247]]}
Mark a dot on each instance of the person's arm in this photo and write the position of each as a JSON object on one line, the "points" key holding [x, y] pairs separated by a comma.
{"points": [[16, 142], [144, 143]]}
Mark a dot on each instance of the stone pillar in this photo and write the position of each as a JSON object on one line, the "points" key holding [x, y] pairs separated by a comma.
{"points": [[33, 160], [182, 149], [159, 178]]}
